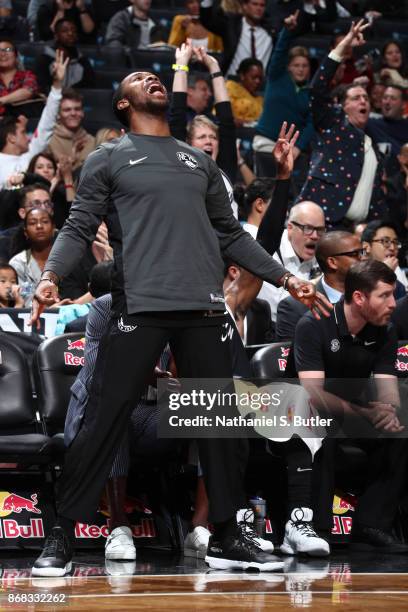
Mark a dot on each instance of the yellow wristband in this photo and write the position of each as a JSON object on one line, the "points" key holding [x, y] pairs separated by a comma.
{"points": [[180, 67]]}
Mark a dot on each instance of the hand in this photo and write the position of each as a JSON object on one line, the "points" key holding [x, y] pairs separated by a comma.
{"points": [[65, 168], [305, 292], [283, 151], [291, 21], [354, 37], [184, 53], [59, 68], [391, 261], [385, 73], [100, 246], [80, 4], [382, 416], [45, 295], [208, 60], [362, 81], [15, 180], [16, 297]]}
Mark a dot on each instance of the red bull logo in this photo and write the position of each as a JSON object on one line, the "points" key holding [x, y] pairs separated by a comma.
{"points": [[342, 505], [11, 502], [71, 359], [285, 350], [76, 345]]}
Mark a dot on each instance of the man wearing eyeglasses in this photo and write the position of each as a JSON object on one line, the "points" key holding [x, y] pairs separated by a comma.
{"points": [[336, 252], [297, 249], [380, 242]]}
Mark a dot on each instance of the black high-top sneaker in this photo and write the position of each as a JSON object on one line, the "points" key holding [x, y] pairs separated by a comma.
{"points": [[56, 557]]}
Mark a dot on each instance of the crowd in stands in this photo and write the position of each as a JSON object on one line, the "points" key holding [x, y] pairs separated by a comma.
{"points": [[238, 70]]}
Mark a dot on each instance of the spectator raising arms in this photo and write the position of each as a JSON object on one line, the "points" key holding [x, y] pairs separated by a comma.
{"points": [[16, 85], [246, 103], [15, 149], [189, 26], [286, 93], [75, 10], [79, 70], [246, 34], [345, 174], [217, 141], [70, 138]]}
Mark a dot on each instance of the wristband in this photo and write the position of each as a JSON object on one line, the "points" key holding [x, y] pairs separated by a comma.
{"points": [[182, 67], [50, 276], [241, 163], [286, 277], [215, 75], [69, 186]]}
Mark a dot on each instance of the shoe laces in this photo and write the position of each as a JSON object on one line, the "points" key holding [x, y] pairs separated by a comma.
{"points": [[54, 543], [247, 531], [305, 528]]}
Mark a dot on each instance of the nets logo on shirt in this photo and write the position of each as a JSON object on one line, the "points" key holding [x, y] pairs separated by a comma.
{"points": [[187, 159]]}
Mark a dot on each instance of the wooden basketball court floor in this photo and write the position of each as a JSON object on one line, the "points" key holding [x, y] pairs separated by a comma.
{"points": [[159, 581]]}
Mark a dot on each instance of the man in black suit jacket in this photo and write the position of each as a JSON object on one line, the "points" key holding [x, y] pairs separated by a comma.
{"points": [[336, 252], [237, 30]]}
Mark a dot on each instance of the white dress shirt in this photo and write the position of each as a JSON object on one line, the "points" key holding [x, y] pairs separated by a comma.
{"points": [[263, 46], [292, 263]]}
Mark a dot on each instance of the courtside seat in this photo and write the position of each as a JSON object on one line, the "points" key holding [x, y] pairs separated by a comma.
{"points": [[56, 365], [270, 361], [22, 439]]}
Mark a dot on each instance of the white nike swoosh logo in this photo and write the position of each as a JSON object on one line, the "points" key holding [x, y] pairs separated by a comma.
{"points": [[133, 162], [304, 470], [368, 343]]}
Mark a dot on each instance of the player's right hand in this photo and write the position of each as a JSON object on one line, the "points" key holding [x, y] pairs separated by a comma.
{"points": [[46, 294]]}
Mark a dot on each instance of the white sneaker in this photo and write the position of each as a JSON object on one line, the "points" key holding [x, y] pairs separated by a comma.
{"points": [[300, 536], [196, 543], [246, 516], [119, 544]]}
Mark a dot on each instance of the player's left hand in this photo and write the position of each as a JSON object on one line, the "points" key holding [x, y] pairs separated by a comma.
{"points": [[305, 292]]}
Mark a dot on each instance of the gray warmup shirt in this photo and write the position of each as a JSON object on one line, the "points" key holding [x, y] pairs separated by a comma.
{"points": [[170, 223]]}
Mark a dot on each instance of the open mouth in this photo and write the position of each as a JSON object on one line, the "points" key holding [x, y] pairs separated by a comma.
{"points": [[155, 89], [208, 150]]}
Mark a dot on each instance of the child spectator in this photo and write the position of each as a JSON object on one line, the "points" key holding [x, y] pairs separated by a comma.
{"points": [[9, 290], [74, 10]]}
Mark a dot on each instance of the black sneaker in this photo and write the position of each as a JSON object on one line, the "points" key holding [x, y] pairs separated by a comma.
{"points": [[240, 552], [56, 557], [372, 538]]}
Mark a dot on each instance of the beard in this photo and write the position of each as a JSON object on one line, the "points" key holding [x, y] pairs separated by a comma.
{"points": [[157, 108]]}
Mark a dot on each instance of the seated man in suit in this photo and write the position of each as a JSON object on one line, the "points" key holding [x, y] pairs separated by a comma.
{"points": [[336, 252]]}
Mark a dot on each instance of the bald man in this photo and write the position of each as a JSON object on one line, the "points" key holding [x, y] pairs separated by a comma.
{"points": [[336, 252], [297, 249]]}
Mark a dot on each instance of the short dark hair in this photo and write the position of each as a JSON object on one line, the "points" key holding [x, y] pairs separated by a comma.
{"points": [[4, 265], [342, 92], [372, 228], [324, 248], [26, 190], [61, 21], [8, 126], [365, 275], [259, 188], [100, 278], [402, 90], [247, 64], [121, 114], [68, 93]]}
